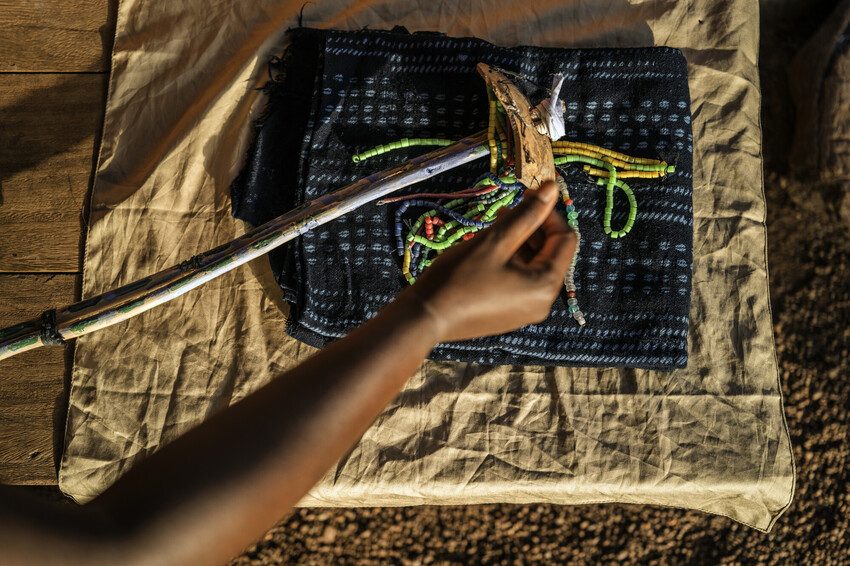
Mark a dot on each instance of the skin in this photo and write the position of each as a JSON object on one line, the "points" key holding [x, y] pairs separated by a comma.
{"points": [[210, 493]]}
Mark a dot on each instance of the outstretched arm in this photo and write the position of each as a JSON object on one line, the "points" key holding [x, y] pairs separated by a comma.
{"points": [[208, 494]]}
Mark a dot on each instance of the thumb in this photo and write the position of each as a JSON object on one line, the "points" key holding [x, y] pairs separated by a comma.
{"points": [[513, 229]]}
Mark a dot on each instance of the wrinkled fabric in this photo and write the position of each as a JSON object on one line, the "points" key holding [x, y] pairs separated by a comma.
{"points": [[364, 88], [183, 92]]}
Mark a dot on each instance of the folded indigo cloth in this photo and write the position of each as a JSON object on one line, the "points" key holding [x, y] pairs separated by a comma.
{"points": [[336, 93]]}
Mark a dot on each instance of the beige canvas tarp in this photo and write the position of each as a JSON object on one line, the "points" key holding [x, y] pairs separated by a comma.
{"points": [[182, 95]]}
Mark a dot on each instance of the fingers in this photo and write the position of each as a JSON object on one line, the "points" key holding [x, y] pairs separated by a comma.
{"points": [[532, 245], [516, 227], [554, 223], [557, 253]]}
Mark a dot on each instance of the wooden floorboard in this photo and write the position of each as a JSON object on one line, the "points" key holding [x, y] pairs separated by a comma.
{"points": [[56, 35], [54, 55], [47, 142], [32, 384]]}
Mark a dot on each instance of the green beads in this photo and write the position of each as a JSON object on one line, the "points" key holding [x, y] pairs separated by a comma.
{"points": [[565, 159], [641, 167], [609, 207], [399, 144]]}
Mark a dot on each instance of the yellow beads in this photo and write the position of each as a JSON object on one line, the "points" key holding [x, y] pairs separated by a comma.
{"points": [[625, 174], [491, 136], [568, 145]]}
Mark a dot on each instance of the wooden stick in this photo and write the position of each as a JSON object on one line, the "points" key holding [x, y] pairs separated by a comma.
{"points": [[56, 326]]}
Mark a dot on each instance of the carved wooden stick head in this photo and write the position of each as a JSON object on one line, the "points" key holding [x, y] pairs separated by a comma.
{"points": [[533, 161]]}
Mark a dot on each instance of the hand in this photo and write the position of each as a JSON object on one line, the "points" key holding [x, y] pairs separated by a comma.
{"points": [[504, 279]]}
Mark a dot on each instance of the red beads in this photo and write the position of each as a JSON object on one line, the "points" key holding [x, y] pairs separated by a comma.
{"points": [[568, 201]]}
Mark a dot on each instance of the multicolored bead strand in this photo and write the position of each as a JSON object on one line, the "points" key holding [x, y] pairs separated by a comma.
{"points": [[443, 225], [569, 278]]}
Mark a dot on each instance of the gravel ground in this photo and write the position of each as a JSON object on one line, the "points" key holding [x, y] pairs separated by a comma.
{"points": [[809, 253]]}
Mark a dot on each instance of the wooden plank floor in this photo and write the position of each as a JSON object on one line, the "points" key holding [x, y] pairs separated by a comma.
{"points": [[54, 56]]}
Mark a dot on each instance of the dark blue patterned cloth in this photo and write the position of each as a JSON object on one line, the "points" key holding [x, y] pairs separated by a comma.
{"points": [[336, 93]]}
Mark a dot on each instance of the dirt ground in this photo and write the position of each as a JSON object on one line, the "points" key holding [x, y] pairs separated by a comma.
{"points": [[809, 254]]}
